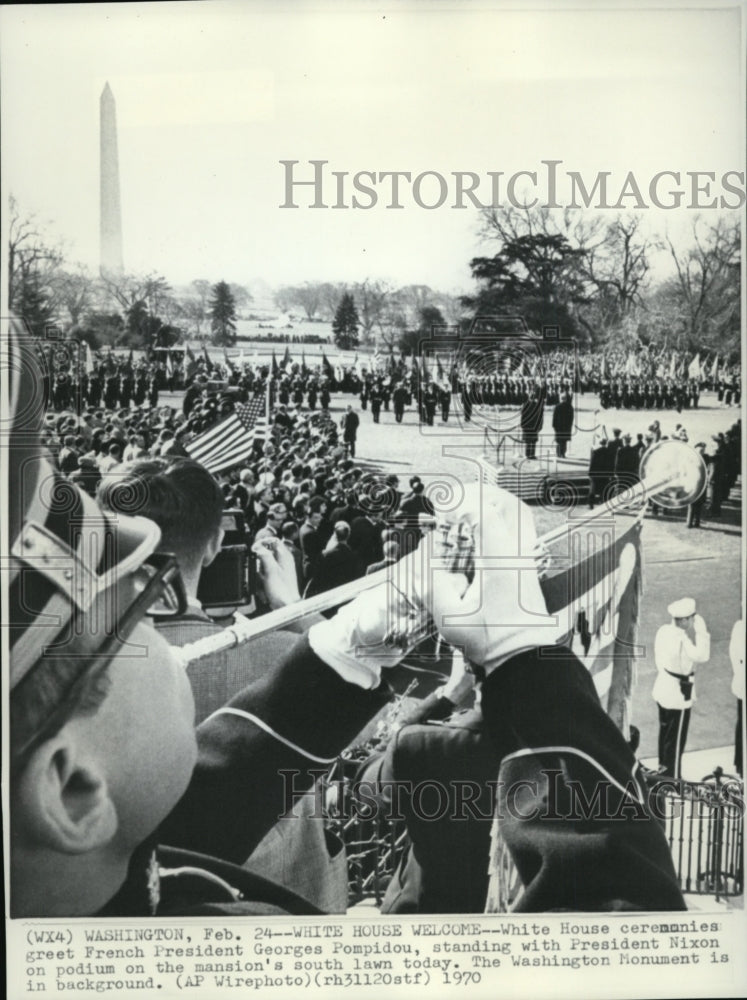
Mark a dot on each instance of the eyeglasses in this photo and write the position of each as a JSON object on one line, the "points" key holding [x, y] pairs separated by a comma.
{"points": [[160, 594]]}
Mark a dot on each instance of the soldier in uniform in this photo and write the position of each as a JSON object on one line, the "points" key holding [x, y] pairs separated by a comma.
{"points": [[375, 398], [679, 647], [444, 395]]}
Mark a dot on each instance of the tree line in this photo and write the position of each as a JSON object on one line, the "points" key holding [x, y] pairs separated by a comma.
{"points": [[588, 275]]}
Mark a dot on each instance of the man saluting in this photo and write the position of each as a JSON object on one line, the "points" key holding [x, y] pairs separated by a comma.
{"points": [[679, 647]]}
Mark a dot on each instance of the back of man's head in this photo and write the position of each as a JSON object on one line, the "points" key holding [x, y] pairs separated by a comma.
{"points": [[342, 531], [180, 495]]}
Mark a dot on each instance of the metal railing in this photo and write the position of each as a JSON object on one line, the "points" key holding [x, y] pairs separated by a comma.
{"points": [[704, 823]]}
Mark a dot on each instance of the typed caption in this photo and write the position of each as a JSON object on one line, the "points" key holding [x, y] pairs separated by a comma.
{"points": [[607, 955]]}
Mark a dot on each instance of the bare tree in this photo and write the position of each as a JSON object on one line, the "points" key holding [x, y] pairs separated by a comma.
{"points": [[241, 296], [306, 297], [31, 259], [74, 291], [708, 284], [370, 299], [618, 264]]}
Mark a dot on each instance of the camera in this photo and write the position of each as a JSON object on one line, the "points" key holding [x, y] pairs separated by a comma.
{"points": [[229, 580]]}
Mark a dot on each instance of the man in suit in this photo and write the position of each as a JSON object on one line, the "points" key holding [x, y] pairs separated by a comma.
{"points": [[391, 556], [365, 541], [310, 537], [337, 563], [350, 422], [399, 398], [531, 418], [600, 472], [562, 424]]}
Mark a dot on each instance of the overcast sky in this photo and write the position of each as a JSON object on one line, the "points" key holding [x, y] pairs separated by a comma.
{"points": [[211, 96]]}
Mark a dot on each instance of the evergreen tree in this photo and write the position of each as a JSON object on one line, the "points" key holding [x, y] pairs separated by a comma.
{"points": [[346, 323], [223, 314]]}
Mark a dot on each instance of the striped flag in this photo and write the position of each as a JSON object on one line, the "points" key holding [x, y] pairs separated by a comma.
{"points": [[230, 442]]}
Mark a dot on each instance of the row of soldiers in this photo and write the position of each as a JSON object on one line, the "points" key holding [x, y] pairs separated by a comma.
{"points": [[113, 389], [512, 390], [633, 393]]}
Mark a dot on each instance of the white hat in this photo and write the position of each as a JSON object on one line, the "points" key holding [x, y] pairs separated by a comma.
{"points": [[682, 608]]}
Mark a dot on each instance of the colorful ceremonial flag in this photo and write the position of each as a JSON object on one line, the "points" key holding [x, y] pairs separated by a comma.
{"points": [[693, 369], [714, 367], [673, 365], [230, 442], [598, 598], [89, 360]]}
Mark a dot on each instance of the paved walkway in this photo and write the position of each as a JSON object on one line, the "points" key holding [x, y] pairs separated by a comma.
{"points": [[696, 764]]}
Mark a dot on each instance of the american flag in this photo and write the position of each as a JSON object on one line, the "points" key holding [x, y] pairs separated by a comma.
{"points": [[230, 442]]}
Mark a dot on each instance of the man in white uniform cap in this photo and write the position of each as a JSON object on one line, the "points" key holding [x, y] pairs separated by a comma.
{"points": [[679, 646]]}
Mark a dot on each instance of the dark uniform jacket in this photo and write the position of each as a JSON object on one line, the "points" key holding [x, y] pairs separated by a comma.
{"points": [[574, 812], [296, 717]]}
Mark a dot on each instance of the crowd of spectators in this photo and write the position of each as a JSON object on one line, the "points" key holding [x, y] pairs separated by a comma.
{"points": [[299, 484]]}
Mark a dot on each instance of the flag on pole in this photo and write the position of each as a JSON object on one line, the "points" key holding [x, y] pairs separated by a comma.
{"points": [[327, 368], [230, 442], [693, 369], [89, 359], [274, 368], [192, 363], [714, 367], [208, 362], [673, 365], [304, 367], [287, 362]]}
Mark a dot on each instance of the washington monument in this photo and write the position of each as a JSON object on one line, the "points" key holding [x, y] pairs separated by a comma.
{"points": [[110, 209]]}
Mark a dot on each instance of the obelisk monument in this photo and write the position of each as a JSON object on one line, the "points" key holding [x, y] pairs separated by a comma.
{"points": [[111, 262]]}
